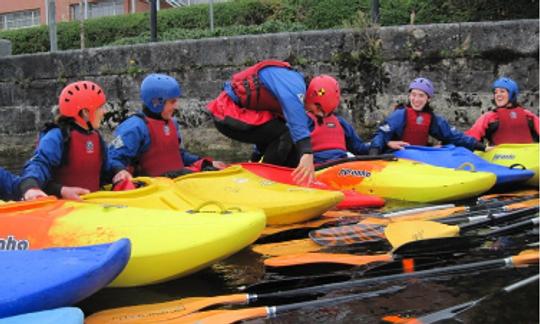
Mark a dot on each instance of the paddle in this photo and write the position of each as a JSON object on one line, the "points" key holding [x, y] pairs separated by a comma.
{"points": [[453, 311], [176, 309], [233, 316], [356, 233], [274, 234], [402, 232], [410, 249]]}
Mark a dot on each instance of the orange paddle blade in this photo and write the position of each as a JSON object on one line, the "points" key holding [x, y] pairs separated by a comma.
{"points": [[269, 230], [400, 320], [526, 257], [162, 311], [502, 196], [310, 258], [288, 247], [224, 317]]}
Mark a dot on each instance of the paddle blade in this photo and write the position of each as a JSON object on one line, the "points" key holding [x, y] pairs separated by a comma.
{"points": [[310, 258], [526, 257], [286, 248], [224, 316], [162, 311], [402, 232], [347, 235]]}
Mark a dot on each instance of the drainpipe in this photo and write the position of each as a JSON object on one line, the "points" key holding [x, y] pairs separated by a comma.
{"points": [[133, 6], [51, 18]]}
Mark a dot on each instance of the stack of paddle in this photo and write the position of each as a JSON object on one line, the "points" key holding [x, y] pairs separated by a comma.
{"points": [[187, 310]]}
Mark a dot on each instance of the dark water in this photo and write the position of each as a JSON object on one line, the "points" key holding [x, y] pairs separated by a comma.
{"points": [[418, 297]]}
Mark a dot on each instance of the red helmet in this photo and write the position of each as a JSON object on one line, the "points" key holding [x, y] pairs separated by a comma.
{"points": [[78, 96], [323, 90]]}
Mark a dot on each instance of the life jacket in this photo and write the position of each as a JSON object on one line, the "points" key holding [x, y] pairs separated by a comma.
{"points": [[82, 161], [417, 123], [512, 126], [164, 154], [251, 94], [329, 135]]}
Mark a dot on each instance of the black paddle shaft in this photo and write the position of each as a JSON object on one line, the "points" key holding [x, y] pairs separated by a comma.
{"points": [[491, 264], [496, 218]]}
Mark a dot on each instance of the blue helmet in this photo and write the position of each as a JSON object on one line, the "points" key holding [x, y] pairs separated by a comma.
{"points": [[156, 89], [510, 86], [424, 85]]}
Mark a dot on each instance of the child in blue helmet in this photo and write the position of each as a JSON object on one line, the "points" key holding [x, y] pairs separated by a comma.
{"points": [[149, 142], [509, 122], [413, 123]]}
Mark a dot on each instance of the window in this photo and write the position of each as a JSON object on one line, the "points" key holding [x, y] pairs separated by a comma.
{"points": [[19, 19], [99, 9]]}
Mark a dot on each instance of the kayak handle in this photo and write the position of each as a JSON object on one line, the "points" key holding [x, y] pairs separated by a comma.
{"points": [[464, 165], [521, 166], [222, 209]]}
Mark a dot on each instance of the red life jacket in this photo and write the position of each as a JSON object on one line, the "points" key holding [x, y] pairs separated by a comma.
{"points": [[164, 154], [329, 135], [416, 131], [250, 92], [82, 166], [513, 127]]}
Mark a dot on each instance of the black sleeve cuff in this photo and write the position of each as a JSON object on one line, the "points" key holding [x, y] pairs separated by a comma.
{"points": [[304, 146], [54, 189], [27, 184], [480, 147]]}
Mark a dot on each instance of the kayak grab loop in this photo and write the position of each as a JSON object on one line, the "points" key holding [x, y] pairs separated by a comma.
{"points": [[222, 209], [517, 165], [467, 166]]}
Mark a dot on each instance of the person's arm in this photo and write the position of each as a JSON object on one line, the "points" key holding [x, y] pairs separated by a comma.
{"points": [[132, 138], [354, 142], [534, 120], [9, 185], [480, 126], [441, 130], [392, 127], [37, 171]]}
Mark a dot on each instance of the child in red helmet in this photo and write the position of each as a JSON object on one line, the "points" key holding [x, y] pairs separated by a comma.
{"points": [[71, 157], [332, 137], [509, 122]]}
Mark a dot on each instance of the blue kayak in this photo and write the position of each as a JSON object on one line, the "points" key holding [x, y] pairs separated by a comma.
{"points": [[35, 280], [64, 315], [450, 156]]}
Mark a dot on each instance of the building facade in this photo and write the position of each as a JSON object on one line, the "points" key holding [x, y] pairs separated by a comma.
{"points": [[28, 13]]}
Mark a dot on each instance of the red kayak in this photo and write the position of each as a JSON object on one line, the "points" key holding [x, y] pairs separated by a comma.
{"points": [[281, 174]]}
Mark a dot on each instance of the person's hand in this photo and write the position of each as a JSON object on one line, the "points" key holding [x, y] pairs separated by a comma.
{"points": [[73, 193], [34, 193], [122, 175], [219, 165], [489, 148], [304, 174], [397, 145]]}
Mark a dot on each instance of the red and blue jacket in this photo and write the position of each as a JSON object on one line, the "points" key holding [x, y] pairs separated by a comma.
{"points": [[506, 125], [394, 127], [132, 146], [287, 88], [71, 156], [332, 137]]}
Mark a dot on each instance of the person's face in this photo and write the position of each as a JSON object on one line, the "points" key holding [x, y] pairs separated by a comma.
{"points": [[501, 97], [418, 99], [98, 117], [170, 106]]}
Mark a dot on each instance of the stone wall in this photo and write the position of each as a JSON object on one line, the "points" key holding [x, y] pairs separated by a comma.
{"points": [[373, 66]]}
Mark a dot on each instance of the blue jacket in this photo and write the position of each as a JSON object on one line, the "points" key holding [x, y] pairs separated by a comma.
{"points": [[132, 139], [38, 171], [394, 125], [354, 143], [9, 185], [289, 88]]}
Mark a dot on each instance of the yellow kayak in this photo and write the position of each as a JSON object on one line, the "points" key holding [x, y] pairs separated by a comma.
{"points": [[165, 244], [407, 180], [232, 187], [525, 155]]}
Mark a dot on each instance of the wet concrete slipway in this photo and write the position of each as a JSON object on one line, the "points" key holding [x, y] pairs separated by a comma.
{"points": [[414, 297]]}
